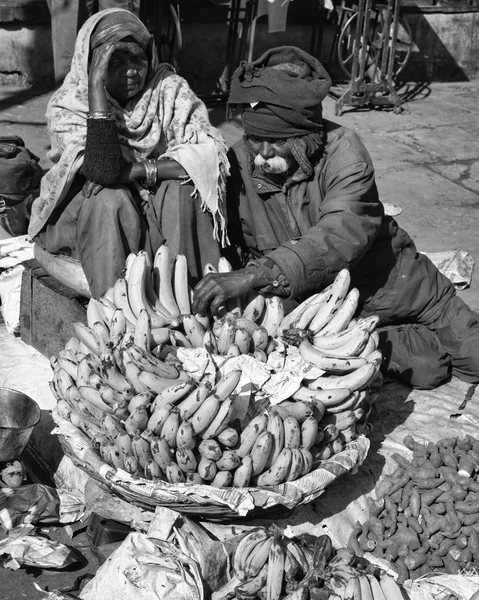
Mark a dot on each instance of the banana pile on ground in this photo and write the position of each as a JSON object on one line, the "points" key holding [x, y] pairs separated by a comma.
{"points": [[270, 566]]}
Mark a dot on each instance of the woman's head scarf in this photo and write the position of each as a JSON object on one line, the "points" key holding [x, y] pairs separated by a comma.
{"points": [[167, 120], [280, 93]]}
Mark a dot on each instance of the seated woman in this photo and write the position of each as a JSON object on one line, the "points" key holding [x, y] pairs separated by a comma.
{"points": [[137, 162]]}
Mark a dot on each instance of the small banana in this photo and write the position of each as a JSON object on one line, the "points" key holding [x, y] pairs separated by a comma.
{"points": [[309, 431], [123, 442], [194, 400], [371, 345], [161, 454], [120, 299], [260, 451], [292, 432], [243, 340], [243, 550], [141, 450], [142, 331], [207, 469], [185, 436], [174, 474], [158, 418], [152, 471], [209, 342], [222, 479], [305, 317], [300, 409], [147, 362], [226, 336], [228, 461], [307, 461], [143, 399], [137, 420], [331, 364], [336, 296], [278, 471], [273, 314], [178, 339], [170, 427], [343, 316], [333, 342], [195, 332], [242, 475], [356, 380], [162, 274], [111, 426], [289, 319], [228, 437], [296, 466], [250, 433], [180, 284], [274, 580], [210, 449], [186, 460], [221, 420], [260, 338], [205, 414], [276, 428], [85, 335], [251, 587], [130, 464], [253, 305]]}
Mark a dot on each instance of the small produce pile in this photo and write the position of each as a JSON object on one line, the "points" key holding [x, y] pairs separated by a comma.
{"points": [[271, 566], [426, 517], [121, 381]]}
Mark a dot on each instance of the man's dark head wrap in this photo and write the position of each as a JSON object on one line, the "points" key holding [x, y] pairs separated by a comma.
{"points": [[280, 93]]}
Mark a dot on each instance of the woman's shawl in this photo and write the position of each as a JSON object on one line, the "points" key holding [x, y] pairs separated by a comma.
{"points": [[169, 120]]}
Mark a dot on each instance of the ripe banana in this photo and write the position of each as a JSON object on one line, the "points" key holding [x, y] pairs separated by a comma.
{"points": [[309, 431], [243, 550], [163, 280], [253, 584], [207, 469], [356, 380], [179, 339], [353, 589], [158, 418], [353, 348], [351, 403], [226, 336], [310, 310], [260, 339], [93, 313], [70, 367], [174, 474], [170, 427], [173, 394], [292, 432], [332, 342], [243, 340], [143, 399], [186, 460], [229, 461], [278, 471], [205, 414], [152, 471], [161, 454], [327, 363], [147, 362], [242, 475], [180, 285], [111, 426], [298, 408], [291, 318], [260, 451], [209, 342], [228, 437], [326, 397], [389, 587], [276, 428], [120, 293], [117, 326], [296, 466], [253, 306], [307, 461], [222, 418], [159, 336], [195, 332], [123, 442], [227, 591], [273, 314], [227, 384], [112, 376], [250, 434], [141, 449], [222, 479], [343, 316], [297, 552], [142, 331], [137, 420], [85, 335], [274, 580], [153, 383], [193, 401]]}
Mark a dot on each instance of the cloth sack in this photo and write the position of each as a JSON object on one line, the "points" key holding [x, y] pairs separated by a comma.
{"points": [[20, 175]]}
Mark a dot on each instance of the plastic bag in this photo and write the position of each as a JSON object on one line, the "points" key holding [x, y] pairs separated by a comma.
{"points": [[34, 503], [145, 570], [10, 288]]}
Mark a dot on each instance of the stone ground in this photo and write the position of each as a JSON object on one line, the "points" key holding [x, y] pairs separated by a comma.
{"points": [[427, 164]]}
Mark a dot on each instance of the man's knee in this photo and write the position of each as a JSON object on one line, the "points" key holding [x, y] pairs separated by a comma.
{"points": [[111, 200], [413, 354]]}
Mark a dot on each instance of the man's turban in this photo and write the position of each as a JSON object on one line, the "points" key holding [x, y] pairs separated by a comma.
{"points": [[280, 93]]}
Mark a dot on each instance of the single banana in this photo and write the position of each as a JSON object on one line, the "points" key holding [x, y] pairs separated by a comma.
{"points": [[123, 442], [327, 363], [108, 395], [101, 333], [278, 471], [243, 550], [207, 469], [93, 313], [159, 336], [309, 431], [141, 449], [107, 309], [93, 397], [205, 414], [158, 418], [154, 383], [332, 342], [366, 592], [243, 322], [326, 397], [253, 306], [71, 367], [137, 420], [130, 464], [276, 427], [274, 580], [170, 427], [73, 344], [63, 408], [120, 294], [341, 420], [228, 437], [186, 460], [290, 319], [233, 350], [180, 285], [143, 399], [311, 310], [147, 362], [307, 461], [152, 471], [296, 466], [273, 314], [178, 339], [375, 358], [356, 380], [260, 338], [161, 454], [185, 436], [229, 461], [371, 345], [251, 587], [113, 377], [353, 589], [242, 475], [292, 432], [260, 356], [194, 400], [195, 332], [350, 403], [162, 273], [111, 426], [354, 348], [174, 474], [209, 342], [227, 384], [222, 479], [335, 298], [243, 340], [292, 568], [345, 313], [226, 336], [300, 409], [117, 326], [250, 433], [260, 451], [297, 552], [222, 418], [142, 332], [85, 335]]}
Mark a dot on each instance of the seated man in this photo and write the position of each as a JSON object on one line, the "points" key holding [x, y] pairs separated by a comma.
{"points": [[303, 204]]}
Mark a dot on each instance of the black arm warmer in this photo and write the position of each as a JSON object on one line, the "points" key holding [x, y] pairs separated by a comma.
{"points": [[103, 161]]}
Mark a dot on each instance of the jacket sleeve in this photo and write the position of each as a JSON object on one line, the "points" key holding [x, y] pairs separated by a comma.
{"points": [[350, 215]]}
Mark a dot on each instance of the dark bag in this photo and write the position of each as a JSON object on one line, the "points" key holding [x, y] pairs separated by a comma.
{"points": [[20, 176]]}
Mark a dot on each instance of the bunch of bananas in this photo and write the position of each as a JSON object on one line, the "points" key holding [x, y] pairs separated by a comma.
{"points": [[271, 566]]}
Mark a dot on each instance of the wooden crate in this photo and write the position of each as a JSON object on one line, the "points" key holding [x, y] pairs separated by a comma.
{"points": [[47, 310]]}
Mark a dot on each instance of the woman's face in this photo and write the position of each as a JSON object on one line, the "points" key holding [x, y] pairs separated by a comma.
{"points": [[127, 71]]}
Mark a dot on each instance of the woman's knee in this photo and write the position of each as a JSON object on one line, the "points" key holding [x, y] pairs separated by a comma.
{"points": [[111, 201]]}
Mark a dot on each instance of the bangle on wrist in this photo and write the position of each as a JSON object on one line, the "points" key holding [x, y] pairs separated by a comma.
{"points": [[151, 173], [108, 115]]}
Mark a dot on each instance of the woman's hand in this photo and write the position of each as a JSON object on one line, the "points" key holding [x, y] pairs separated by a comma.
{"points": [[97, 76], [215, 288]]}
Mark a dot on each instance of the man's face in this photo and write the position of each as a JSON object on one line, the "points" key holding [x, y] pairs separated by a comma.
{"points": [[272, 156], [127, 71]]}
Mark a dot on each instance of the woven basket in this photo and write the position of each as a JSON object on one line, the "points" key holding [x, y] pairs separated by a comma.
{"points": [[203, 500]]}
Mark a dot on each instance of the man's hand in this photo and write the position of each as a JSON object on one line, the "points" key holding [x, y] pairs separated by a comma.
{"points": [[215, 288], [90, 188]]}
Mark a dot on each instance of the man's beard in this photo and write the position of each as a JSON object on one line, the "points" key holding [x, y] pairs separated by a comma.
{"points": [[276, 165]]}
